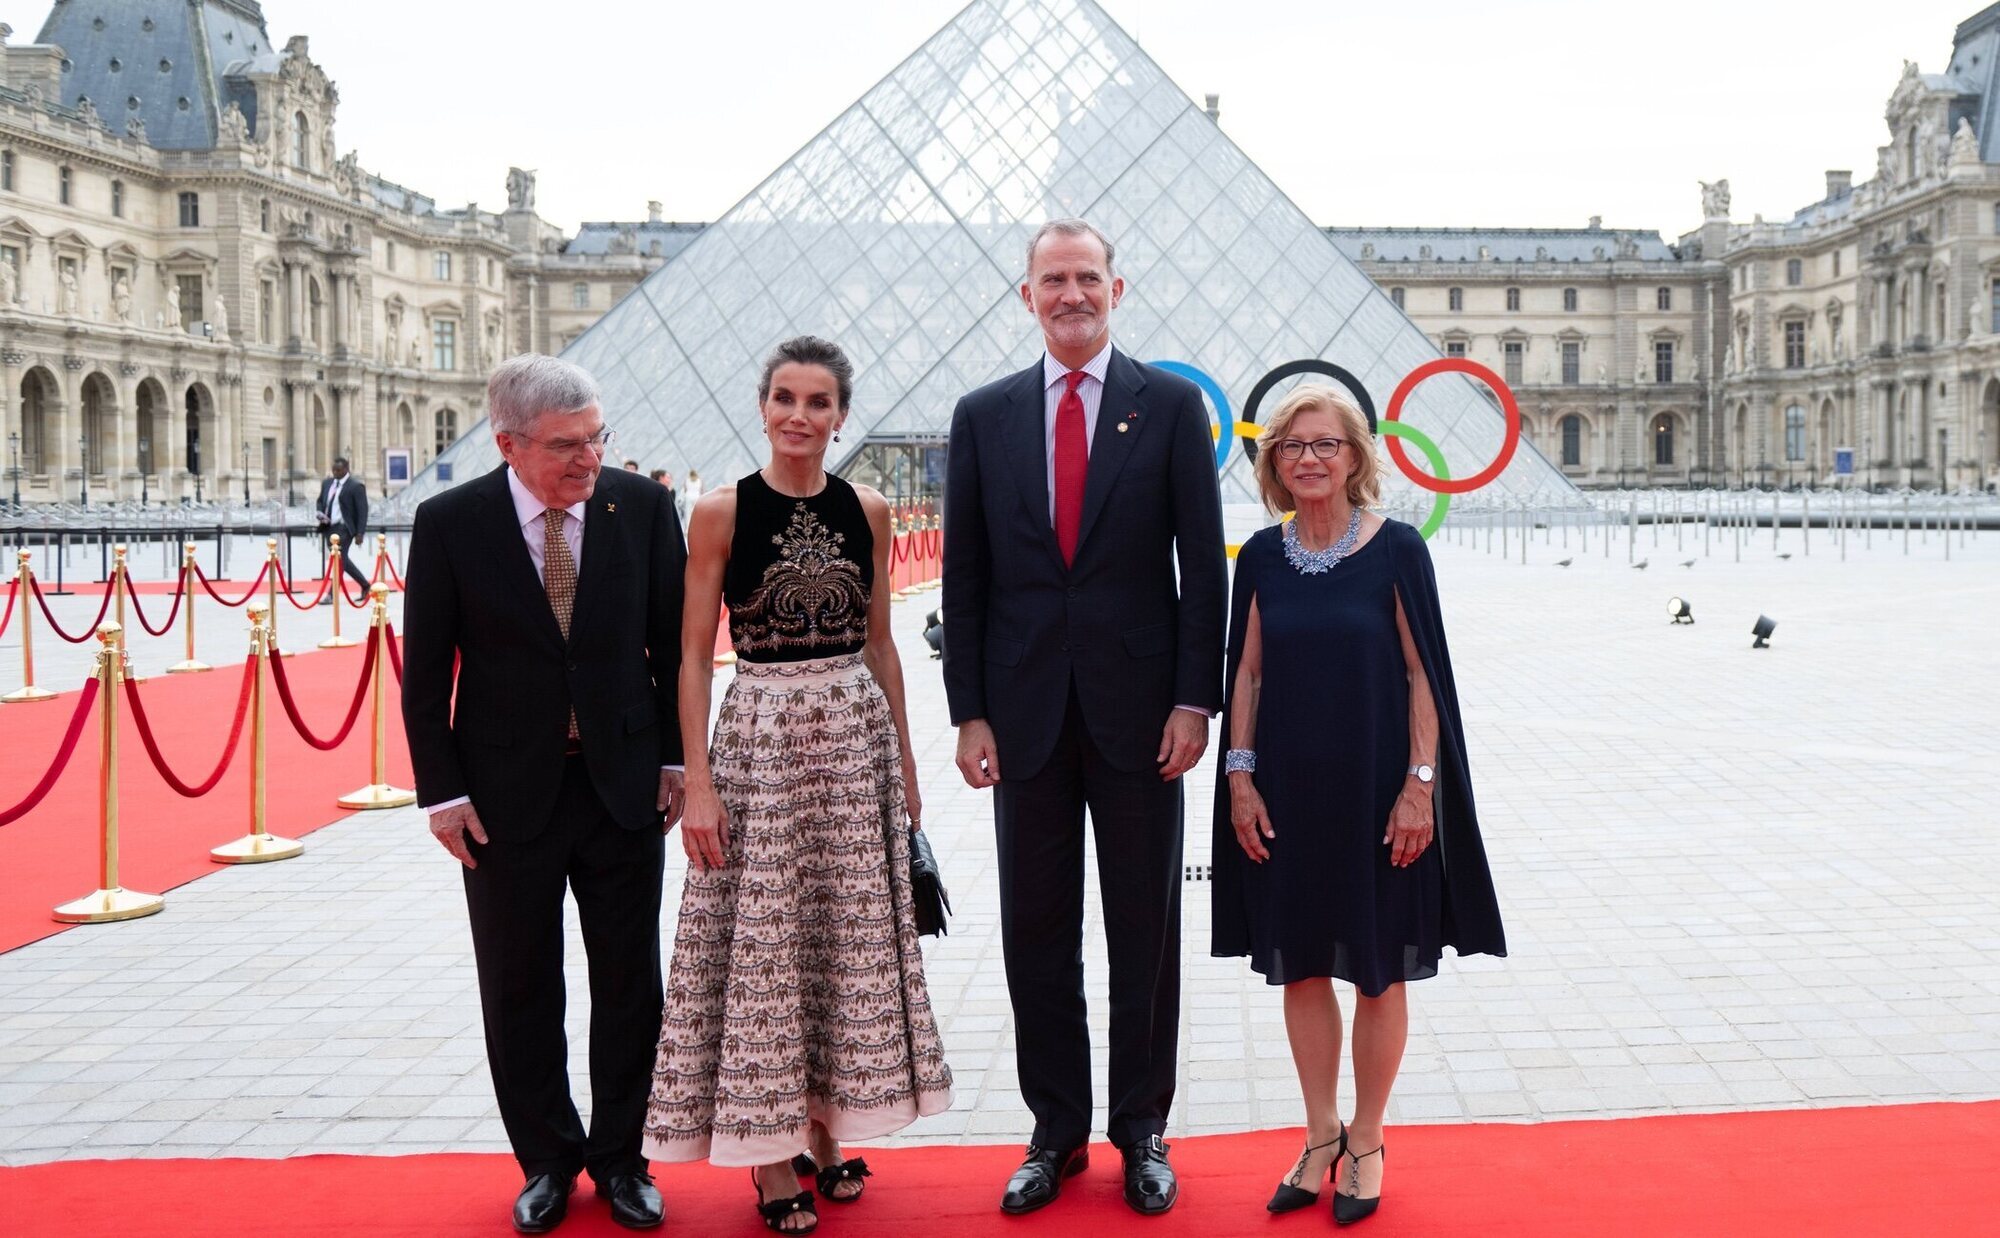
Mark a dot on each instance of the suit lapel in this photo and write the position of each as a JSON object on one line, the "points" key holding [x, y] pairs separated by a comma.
{"points": [[517, 570], [1026, 433], [1110, 445], [600, 533]]}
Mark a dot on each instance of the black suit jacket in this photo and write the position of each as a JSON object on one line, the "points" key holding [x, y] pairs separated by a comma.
{"points": [[473, 595], [1019, 625], [353, 508]]}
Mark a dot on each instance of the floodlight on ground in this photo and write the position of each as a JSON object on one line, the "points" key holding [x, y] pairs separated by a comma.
{"points": [[934, 633], [1678, 611], [1762, 631]]}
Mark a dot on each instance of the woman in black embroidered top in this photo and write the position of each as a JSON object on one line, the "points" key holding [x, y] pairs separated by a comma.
{"points": [[797, 1014]]}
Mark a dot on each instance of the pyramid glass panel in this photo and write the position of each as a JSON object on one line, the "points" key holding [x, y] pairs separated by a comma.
{"points": [[899, 232]]}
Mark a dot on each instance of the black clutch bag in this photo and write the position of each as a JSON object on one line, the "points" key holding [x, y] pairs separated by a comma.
{"points": [[927, 890]]}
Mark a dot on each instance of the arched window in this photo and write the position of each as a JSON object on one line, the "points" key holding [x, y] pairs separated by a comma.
{"points": [[1572, 441], [1795, 433], [1663, 441], [301, 142]]}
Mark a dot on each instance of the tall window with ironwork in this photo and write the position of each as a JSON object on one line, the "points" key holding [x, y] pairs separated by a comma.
{"points": [[7, 170], [1511, 353], [444, 431], [1572, 441], [1513, 300], [190, 289], [1663, 299], [1572, 362], [1569, 300], [190, 207], [1795, 433], [1396, 295], [1795, 272], [1454, 299], [1454, 348], [579, 295], [444, 344], [1795, 344], [1663, 361], [1663, 441], [441, 264]]}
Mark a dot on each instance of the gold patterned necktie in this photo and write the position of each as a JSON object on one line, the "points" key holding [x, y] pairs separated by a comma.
{"points": [[559, 578]]}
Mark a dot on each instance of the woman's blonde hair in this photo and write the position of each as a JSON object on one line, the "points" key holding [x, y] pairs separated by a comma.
{"points": [[1364, 477]]}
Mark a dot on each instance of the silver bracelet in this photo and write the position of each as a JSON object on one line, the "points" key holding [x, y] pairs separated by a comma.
{"points": [[1239, 761]]}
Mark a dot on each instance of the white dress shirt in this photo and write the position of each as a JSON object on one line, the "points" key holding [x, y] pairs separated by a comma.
{"points": [[531, 513], [332, 511], [1091, 392]]}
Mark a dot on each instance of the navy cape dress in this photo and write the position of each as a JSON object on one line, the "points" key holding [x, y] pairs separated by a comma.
{"points": [[1333, 747]]}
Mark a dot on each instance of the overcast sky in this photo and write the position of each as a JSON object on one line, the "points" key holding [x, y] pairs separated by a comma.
{"points": [[1509, 113]]}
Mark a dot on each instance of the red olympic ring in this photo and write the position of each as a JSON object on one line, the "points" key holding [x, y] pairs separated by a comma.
{"points": [[1457, 365]]}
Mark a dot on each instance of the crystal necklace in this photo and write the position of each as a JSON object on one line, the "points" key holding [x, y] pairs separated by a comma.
{"points": [[1313, 562]]}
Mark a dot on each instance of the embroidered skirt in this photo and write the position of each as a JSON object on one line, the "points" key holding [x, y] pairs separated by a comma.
{"points": [[796, 992]]}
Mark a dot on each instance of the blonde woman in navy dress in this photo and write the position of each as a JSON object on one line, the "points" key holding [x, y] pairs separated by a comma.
{"points": [[1346, 846], [797, 1016]]}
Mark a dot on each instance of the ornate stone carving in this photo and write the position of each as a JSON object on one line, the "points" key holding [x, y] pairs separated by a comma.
{"points": [[13, 356], [73, 363], [135, 128], [130, 369], [233, 128], [220, 321], [520, 190], [86, 112], [173, 311], [1715, 199], [10, 284], [121, 299], [67, 303], [1964, 145]]}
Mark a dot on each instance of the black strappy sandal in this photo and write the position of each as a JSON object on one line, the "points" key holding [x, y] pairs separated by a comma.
{"points": [[851, 1170], [1347, 1209], [1290, 1197], [778, 1211]]}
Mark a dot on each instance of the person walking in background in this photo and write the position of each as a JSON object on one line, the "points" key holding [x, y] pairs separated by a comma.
{"points": [[666, 480], [550, 760], [342, 508], [1084, 591], [1346, 845], [798, 1017]]}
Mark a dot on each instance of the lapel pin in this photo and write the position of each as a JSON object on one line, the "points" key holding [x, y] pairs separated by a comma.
{"points": [[611, 507], [1124, 426]]}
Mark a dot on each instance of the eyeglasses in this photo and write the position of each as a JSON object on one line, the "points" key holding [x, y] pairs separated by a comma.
{"points": [[599, 443], [1324, 448]]}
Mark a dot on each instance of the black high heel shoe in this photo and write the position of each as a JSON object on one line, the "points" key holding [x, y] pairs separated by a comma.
{"points": [[777, 1211], [854, 1169], [1290, 1197], [1347, 1209]]}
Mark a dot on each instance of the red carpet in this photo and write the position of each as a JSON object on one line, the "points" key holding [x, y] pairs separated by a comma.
{"points": [[1896, 1170], [50, 856]]}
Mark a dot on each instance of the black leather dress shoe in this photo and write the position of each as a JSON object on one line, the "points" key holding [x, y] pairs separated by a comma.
{"points": [[635, 1201], [1150, 1185], [543, 1203], [1039, 1179]]}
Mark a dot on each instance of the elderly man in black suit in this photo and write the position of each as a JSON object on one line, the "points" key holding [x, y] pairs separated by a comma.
{"points": [[343, 509], [1081, 671], [555, 584]]}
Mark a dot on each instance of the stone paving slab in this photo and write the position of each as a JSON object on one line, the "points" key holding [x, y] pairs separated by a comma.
{"points": [[1732, 880]]}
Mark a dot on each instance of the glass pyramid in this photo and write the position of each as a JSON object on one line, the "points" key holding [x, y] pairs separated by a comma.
{"points": [[899, 231]]}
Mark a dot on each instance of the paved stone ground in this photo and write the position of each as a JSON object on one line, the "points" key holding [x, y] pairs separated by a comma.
{"points": [[1732, 880]]}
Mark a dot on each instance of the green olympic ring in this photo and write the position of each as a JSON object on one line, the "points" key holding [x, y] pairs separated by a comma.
{"points": [[1441, 503]]}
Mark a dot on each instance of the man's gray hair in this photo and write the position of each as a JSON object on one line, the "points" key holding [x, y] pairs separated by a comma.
{"points": [[1069, 227], [523, 388]]}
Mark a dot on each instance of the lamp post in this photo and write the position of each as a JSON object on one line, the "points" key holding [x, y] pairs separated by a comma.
{"points": [[14, 466], [245, 446], [83, 473], [145, 469]]}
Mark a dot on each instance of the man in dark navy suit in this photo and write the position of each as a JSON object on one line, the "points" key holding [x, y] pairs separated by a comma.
{"points": [[1081, 672], [342, 508], [542, 660]]}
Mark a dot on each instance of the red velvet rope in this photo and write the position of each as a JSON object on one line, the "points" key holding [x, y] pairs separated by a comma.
{"points": [[132, 592], [84, 701], [356, 603], [395, 575], [13, 587], [395, 651], [285, 590], [228, 749], [203, 578], [57, 628], [292, 708]]}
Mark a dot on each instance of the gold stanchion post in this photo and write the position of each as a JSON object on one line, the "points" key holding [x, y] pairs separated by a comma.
{"points": [[189, 665], [259, 845], [271, 596], [381, 552], [337, 585], [378, 793], [24, 601], [119, 574], [109, 901]]}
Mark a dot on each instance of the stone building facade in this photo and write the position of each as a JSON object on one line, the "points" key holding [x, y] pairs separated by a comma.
{"points": [[200, 298]]}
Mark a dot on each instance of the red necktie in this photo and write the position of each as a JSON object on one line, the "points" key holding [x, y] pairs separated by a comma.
{"points": [[1072, 460]]}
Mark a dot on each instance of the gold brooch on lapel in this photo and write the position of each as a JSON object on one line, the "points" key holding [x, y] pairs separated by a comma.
{"points": [[1123, 426], [611, 507]]}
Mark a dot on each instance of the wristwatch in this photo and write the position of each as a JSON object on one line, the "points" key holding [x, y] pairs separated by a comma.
{"points": [[1424, 773]]}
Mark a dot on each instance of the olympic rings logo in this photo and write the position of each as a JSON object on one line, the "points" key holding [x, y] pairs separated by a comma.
{"points": [[1438, 481]]}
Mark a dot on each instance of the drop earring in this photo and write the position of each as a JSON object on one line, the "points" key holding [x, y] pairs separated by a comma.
{"points": [[836, 436]]}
